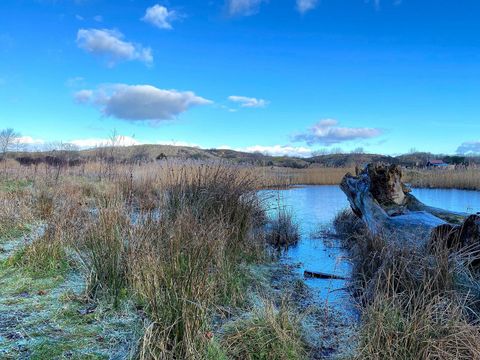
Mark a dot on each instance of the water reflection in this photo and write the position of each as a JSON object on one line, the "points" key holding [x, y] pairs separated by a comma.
{"points": [[315, 206]]}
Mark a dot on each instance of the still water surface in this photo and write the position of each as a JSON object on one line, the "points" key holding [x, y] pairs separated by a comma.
{"points": [[315, 207]]}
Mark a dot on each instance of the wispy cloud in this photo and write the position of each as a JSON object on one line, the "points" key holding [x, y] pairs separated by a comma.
{"points": [[111, 45], [327, 132], [469, 147], [244, 7], [140, 102], [160, 17], [75, 82], [249, 102], [304, 6]]}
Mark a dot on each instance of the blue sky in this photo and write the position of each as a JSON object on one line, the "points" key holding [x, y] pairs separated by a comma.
{"points": [[290, 76]]}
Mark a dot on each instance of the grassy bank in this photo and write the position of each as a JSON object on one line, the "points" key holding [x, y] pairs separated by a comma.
{"points": [[413, 306], [147, 262]]}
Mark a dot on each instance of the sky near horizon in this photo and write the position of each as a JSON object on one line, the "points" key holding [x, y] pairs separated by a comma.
{"points": [[283, 77]]}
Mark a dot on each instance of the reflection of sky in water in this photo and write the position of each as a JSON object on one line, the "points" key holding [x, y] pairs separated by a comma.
{"points": [[315, 206], [450, 199]]}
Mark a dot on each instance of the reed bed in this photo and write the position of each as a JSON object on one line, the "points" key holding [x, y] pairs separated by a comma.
{"points": [[461, 178], [274, 177]]}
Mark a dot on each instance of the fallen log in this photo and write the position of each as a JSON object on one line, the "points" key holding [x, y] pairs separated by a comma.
{"points": [[322, 275], [379, 197]]}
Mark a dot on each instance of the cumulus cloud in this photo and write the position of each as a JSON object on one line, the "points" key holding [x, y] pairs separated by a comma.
{"points": [[278, 150], [327, 132], [250, 102], [469, 147], [160, 16], [111, 45], [140, 102], [28, 140], [243, 7], [304, 6]]}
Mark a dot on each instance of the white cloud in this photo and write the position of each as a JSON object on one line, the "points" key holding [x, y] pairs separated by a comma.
{"points": [[177, 143], [110, 44], [244, 7], [98, 18], [159, 16], [245, 101], [279, 150], [304, 6], [140, 102], [120, 140], [469, 147], [83, 96], [327, 132], [79, 17], [28, 140]]}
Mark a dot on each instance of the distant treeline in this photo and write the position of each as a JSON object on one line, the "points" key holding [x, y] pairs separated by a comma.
{"points": [[49, 160], [140, 155]]}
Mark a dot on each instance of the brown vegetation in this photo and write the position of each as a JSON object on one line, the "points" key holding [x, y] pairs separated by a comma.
{"points": [[413, 306], [459, 178], [175, 239]]}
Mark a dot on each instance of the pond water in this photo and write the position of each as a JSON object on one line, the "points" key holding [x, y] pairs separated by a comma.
{"points": [[314, 208]]}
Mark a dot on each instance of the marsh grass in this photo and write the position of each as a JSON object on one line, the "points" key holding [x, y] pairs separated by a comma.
{"points": [[284, 177], [44, 257], [175, 239], [412, 304], [461, 178], [282, 230], [104, 252], [186, 263], [348, 226], [174, 277], [15, 214], [267, 332]]}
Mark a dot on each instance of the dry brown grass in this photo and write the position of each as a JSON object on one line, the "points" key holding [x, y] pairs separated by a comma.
{"points": [[276, 176], [413, 305], [468, 179], [174, 237], [267, 332]]}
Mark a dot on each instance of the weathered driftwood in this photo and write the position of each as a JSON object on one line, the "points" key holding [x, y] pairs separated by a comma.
{"points": [[386, 206]]}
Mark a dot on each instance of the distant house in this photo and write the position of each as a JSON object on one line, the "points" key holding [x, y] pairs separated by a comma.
{"points": [[437, 164]]}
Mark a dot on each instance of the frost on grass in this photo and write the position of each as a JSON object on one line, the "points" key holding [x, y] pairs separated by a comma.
{"points": [[48, 317]]}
